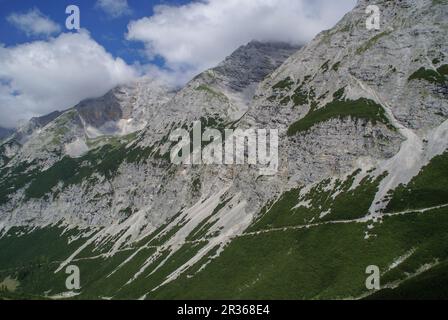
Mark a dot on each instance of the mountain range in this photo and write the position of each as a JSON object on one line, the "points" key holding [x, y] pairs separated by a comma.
{"points": [[362, 177]]}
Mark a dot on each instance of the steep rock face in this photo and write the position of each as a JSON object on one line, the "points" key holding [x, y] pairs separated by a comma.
{"points": [[128, 189], [94, 122], [349, 63], [336, 147], [223, 93], [98, 112], [244, 69], [384, 61], [147, 183]]}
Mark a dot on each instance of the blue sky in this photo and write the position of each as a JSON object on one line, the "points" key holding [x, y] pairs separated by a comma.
{"points": [[45, 67], [106, 30]]}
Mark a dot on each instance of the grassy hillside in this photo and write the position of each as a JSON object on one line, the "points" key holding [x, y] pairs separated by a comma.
{"points": [[277, 258], [428, 189], [340, 109], [324, 261], [429, 285]]}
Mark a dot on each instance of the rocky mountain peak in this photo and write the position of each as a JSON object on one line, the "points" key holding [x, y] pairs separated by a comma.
{"points": [[251, 63]]}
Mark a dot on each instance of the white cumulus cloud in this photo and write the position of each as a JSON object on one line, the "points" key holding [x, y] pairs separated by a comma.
{"points": [[198, 35], [42, 76], [114, 8], [34, 23]]}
